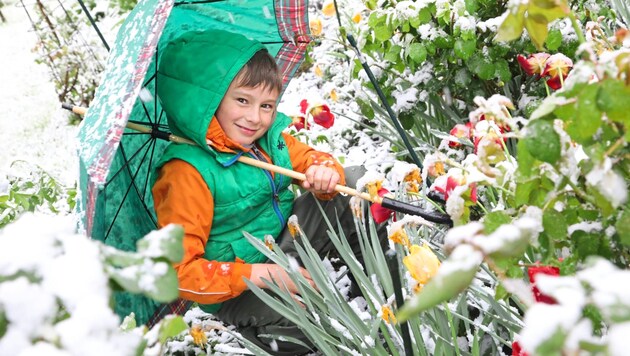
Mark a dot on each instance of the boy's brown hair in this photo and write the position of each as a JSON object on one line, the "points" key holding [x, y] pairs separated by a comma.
{"points": [[261, 69]]}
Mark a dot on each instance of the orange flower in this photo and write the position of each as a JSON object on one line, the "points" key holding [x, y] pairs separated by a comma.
{"points": [[356, 18], [400, 237], [422, 264], [436, 169], [316, 26], [269, 241], [293, 226], [198, 335], [534, 64], [557, 68], [373, 188], [329, 9], [387, 315], [413, 181]]}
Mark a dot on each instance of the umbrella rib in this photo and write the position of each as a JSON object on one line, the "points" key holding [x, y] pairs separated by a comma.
{"points": [[192, 2], [126, 165], [132, 184], [146, 180]]}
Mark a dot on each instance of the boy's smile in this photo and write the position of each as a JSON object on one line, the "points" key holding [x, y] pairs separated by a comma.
{"points": [[245, 113]]}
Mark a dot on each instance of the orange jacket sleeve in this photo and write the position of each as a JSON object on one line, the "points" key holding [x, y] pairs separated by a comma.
{"points": [[182, 197], [303, 156]]}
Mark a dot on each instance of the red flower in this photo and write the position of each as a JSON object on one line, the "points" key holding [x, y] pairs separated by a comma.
{"points": [[320, 112], [534, 64], [557, 68], [299, 122], [459, 131], [379, 213], [533, 272], [517, 351]]}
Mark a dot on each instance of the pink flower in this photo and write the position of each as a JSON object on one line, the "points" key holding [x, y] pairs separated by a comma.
{"points": [[460, 131], [533, 272], [453, 182], [534, 64], [557, 68], [379, 213]]}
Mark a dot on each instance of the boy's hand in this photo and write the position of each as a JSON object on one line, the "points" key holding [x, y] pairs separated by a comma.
{"points": [[273, 272], [321, 179]]}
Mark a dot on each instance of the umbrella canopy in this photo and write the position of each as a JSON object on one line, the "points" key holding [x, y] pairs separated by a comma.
{"points": [[115, 162]]}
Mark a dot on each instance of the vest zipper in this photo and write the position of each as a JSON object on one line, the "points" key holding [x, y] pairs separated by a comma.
{"points": [[276, 198]]}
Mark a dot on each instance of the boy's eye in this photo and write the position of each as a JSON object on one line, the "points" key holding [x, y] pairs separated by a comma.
{"points": [[267, 106], [241, 100]]}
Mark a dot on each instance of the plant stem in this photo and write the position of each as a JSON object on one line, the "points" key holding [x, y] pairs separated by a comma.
{"points": [[577, 28]]}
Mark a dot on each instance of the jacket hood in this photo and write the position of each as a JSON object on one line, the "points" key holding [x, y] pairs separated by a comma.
{"points": [[194, 73]]}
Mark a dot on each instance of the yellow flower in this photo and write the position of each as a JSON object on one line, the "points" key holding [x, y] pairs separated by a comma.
{"points": [[400, 237], [329, 8], [373, 187], [198, 335], [388, 315], [413, 180], [318, 71], [316, 26], [422, 264], [333, 95], [356, 18]]}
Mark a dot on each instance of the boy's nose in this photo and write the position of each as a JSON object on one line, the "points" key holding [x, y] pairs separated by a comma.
{"points": [[253, 116]]}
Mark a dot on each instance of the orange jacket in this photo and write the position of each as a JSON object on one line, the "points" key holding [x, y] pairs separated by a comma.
{"points": [[182, 197]]}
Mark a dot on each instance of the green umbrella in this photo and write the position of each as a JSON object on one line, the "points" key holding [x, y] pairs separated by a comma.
{"points": [[115, 162]]}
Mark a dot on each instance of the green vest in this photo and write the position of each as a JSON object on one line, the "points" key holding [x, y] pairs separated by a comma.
{"points": [[244, 197]]}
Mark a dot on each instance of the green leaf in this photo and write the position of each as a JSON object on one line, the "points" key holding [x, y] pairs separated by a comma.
{"points": [[549, 105], [493, 220], [485, 70], [460, 268], [623, 228], [542, 141], [4, 324], [171, 327], [393, 54], [417, 52], [166, 242], [524, 190], [382, 32], [536, 25], [512, 27], [585, 244], [502, 70], [612, 98], [587, 118], [555, 225], [465, 48], [554, 40]]}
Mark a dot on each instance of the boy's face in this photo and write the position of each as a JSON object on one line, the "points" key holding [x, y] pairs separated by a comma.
{"points": [[245, 113]]}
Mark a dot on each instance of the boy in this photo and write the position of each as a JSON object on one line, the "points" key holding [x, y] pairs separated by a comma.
{"points": [[220, 90]]}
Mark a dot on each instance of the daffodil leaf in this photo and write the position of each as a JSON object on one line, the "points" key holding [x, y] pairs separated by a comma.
{"points": [[455, 275], [542, 141]]}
